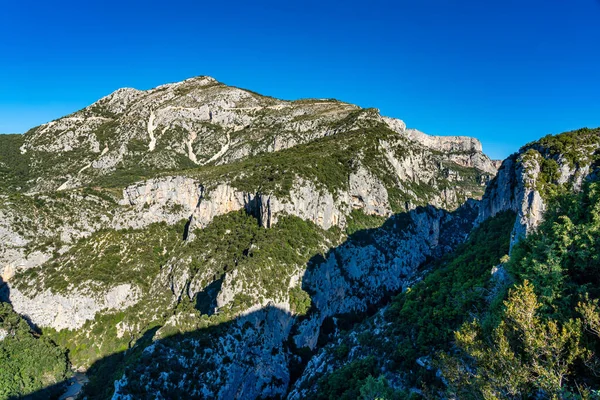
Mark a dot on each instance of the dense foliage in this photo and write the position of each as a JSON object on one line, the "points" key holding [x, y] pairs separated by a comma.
{"points": [[28, 362], [554, 154], [358, 220], [425, 316], [14, 166], [573, 146], [539, 347], [355, 381]]}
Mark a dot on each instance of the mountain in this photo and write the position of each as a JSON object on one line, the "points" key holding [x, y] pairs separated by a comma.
{"points": [[443, 337], [201, 240], [199, 122]]}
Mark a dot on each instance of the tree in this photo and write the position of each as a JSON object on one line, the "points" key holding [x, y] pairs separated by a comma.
{"points": [[524, 356], [376, 389]]}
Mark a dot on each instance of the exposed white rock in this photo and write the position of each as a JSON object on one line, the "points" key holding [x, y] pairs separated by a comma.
{"points": [[196, 119], [206, 122], [445, 143], [118, 101], [189, 143], [151, 128], [439, 143], [168, 199], [531, 206], [305, 201], [229, 289], [516, 188], [60, 311], [221, 200]]}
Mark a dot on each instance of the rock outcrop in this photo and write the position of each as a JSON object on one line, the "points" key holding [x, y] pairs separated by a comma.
{"points": [[356, 275], [70, 311], [525, 184], [521, 184], [197, 122], [254, 353]]}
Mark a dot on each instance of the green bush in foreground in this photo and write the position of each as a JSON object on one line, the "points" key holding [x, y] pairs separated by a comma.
{"points": [[546, 337]]}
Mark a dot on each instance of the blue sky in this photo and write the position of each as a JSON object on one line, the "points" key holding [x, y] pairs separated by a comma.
{"points": [[506, 72]]}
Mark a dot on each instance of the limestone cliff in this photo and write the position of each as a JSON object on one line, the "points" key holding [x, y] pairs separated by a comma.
{"points": [[526, 179]]}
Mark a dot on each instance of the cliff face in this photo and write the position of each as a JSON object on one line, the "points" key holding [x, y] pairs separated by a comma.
{"points": [[524, 187], [255, 350], [238, 225], [525, 180]]}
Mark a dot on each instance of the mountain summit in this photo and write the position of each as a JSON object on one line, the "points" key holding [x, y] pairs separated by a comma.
{"points": [[199, 122]]}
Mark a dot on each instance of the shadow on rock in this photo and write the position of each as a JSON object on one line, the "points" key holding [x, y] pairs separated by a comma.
{"points": [[261, 352]]}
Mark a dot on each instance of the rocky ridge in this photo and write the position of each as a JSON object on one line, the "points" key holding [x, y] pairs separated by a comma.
{"points": [[197, 122]]}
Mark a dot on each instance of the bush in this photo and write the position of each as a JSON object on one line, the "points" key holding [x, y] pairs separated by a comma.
{"points": [[28, 362]]}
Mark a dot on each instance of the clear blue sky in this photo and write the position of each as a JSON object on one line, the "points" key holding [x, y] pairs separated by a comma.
{"points": [[506, 72]]}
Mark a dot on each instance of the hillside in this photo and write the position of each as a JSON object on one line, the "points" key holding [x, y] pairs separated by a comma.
{"points": [[200, 240], [458, 332]]}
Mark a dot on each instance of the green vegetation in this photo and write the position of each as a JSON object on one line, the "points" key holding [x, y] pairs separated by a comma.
{"points": [[358, 220], [561, 258], [265, 259], [524, 355], [328, 162], [299, 300], [108, 258], [113, 332], [41, 218], [539, 338], [98, 110], [575, 149], [420, 321], [425, 316], [456, 318], [575, 146], [376, 389], [355, 381], [549, 173], [14, 166], [28, 362], [539, 344]]}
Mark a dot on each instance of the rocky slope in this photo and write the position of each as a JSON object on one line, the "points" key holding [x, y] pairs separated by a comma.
{"points": [[198, 122], [237, 228], [526, 185], [538, 171]]}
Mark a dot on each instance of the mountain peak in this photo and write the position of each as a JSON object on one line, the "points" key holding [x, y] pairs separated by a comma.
{"points": [[198, 122], [201, 80]]}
